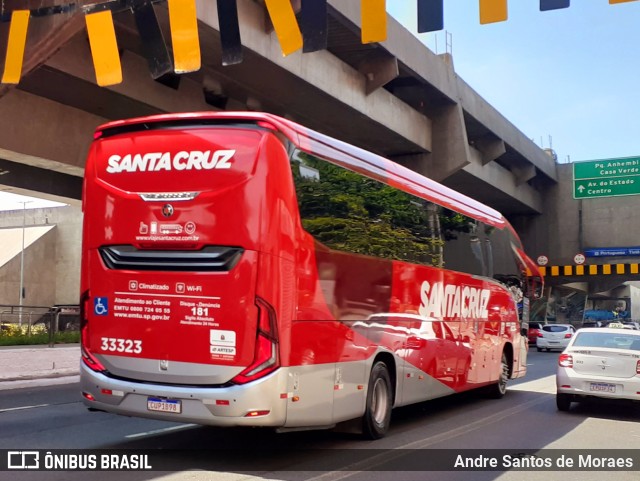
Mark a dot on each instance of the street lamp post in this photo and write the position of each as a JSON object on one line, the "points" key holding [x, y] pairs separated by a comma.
{"points": [[24, 218]]}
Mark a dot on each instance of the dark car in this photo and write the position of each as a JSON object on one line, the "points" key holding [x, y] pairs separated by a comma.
{"points": [[592, 323], [532, 334]]}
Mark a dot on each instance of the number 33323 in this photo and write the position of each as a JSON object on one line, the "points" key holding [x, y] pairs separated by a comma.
{"points": [[113, 344]]}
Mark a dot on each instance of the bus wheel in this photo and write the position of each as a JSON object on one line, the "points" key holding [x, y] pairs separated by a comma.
{"points": [[377, 414], [499, 389]]}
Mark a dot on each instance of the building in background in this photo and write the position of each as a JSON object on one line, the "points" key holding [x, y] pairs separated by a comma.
{"points": [[52, 239]]}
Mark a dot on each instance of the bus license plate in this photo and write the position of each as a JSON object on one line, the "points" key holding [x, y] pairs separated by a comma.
{"points": [[602, 387], [164, 405]]}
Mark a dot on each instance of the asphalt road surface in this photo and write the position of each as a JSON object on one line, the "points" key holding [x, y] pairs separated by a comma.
{"points": [[526, 418]]}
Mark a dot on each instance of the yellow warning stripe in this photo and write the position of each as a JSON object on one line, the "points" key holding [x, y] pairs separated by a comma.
{"points": [[183, 23], [15, 46], [184, 32], [104, 48], [285, 24], [492, 11], [590, 270], [374, 20]]}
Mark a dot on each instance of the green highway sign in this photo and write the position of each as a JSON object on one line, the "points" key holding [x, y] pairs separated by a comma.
{"points": [[606, 178]]}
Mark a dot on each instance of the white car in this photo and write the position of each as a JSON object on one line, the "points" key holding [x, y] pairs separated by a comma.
{"points": [[599, 362], [554, 336]]}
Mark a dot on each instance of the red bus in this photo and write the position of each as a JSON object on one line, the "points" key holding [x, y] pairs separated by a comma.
{"points": [[239, 269]]}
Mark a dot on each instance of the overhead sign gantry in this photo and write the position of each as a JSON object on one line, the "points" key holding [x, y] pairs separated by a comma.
{"points": [[606, 178]]}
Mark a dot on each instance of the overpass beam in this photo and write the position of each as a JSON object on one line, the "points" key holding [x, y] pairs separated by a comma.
{"points": [[63, 133], [24, 177], [523, 173], [327, 81], [450, 151], [490, 147], [46, 36], [379, 70], [501, 178]]}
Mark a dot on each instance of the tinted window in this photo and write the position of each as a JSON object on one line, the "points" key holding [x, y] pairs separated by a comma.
{"points": [[349, 212], [552, 328], [606, 340]]}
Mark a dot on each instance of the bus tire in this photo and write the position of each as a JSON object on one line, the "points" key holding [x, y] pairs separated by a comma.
{"points": [[499, 389], [377, 413]]}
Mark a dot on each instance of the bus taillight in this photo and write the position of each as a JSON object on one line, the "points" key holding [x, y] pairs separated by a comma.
{"points": [[266, 359], [87, 357]]}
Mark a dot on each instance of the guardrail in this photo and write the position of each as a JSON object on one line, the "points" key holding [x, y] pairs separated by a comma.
{"points": [[29, 321]]}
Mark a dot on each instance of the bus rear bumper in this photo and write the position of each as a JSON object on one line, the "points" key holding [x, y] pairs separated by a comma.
{"points": [[259, 403]]}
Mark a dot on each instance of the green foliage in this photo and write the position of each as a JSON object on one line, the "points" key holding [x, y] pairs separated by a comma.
{"points": [[374, 239], [454, 222], [346, 211], [15, 335]]}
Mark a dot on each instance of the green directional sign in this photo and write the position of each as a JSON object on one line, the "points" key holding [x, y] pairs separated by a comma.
{"points": [[606, 178]]}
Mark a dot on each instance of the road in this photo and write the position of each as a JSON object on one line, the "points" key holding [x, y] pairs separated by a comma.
{"points": [[526, 418]]}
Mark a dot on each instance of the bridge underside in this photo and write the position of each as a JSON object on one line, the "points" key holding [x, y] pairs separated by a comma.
{"points": [[397, 99]]}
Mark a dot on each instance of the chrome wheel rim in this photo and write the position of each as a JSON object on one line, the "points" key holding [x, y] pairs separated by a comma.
{"points": [[379, 402]]}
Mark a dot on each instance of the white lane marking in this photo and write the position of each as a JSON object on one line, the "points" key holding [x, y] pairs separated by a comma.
{"points": [[545, 385], [158, 431], [20, 408]]}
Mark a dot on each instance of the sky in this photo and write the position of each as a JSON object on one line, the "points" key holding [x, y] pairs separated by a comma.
{"points": [[568, 79]]}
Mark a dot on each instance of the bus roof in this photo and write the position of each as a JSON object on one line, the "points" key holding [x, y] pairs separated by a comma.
{"points": [[343, 153]]}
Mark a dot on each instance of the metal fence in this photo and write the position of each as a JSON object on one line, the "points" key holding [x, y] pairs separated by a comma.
{"points": [[37, 320]]}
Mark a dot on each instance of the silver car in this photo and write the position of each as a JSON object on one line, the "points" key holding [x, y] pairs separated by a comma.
{"points": [[554, 336], [599, 362]]}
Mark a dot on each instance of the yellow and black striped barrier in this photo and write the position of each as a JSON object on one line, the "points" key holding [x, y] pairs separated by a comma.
{"points": [[590, 270], [306, 29]]}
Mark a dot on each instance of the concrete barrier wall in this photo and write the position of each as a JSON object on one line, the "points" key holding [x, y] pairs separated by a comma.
{"points": [[51, 264]]}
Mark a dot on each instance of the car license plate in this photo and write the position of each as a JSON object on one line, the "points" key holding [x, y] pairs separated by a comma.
{"points": [[164, 405], [602, 387], [553, 342]]}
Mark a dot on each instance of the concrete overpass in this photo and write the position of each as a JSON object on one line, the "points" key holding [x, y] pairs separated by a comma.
{"points": [[395, 98]]}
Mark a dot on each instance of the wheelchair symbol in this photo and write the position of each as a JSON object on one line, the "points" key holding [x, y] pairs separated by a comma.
{"points": [[100, 306]]}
